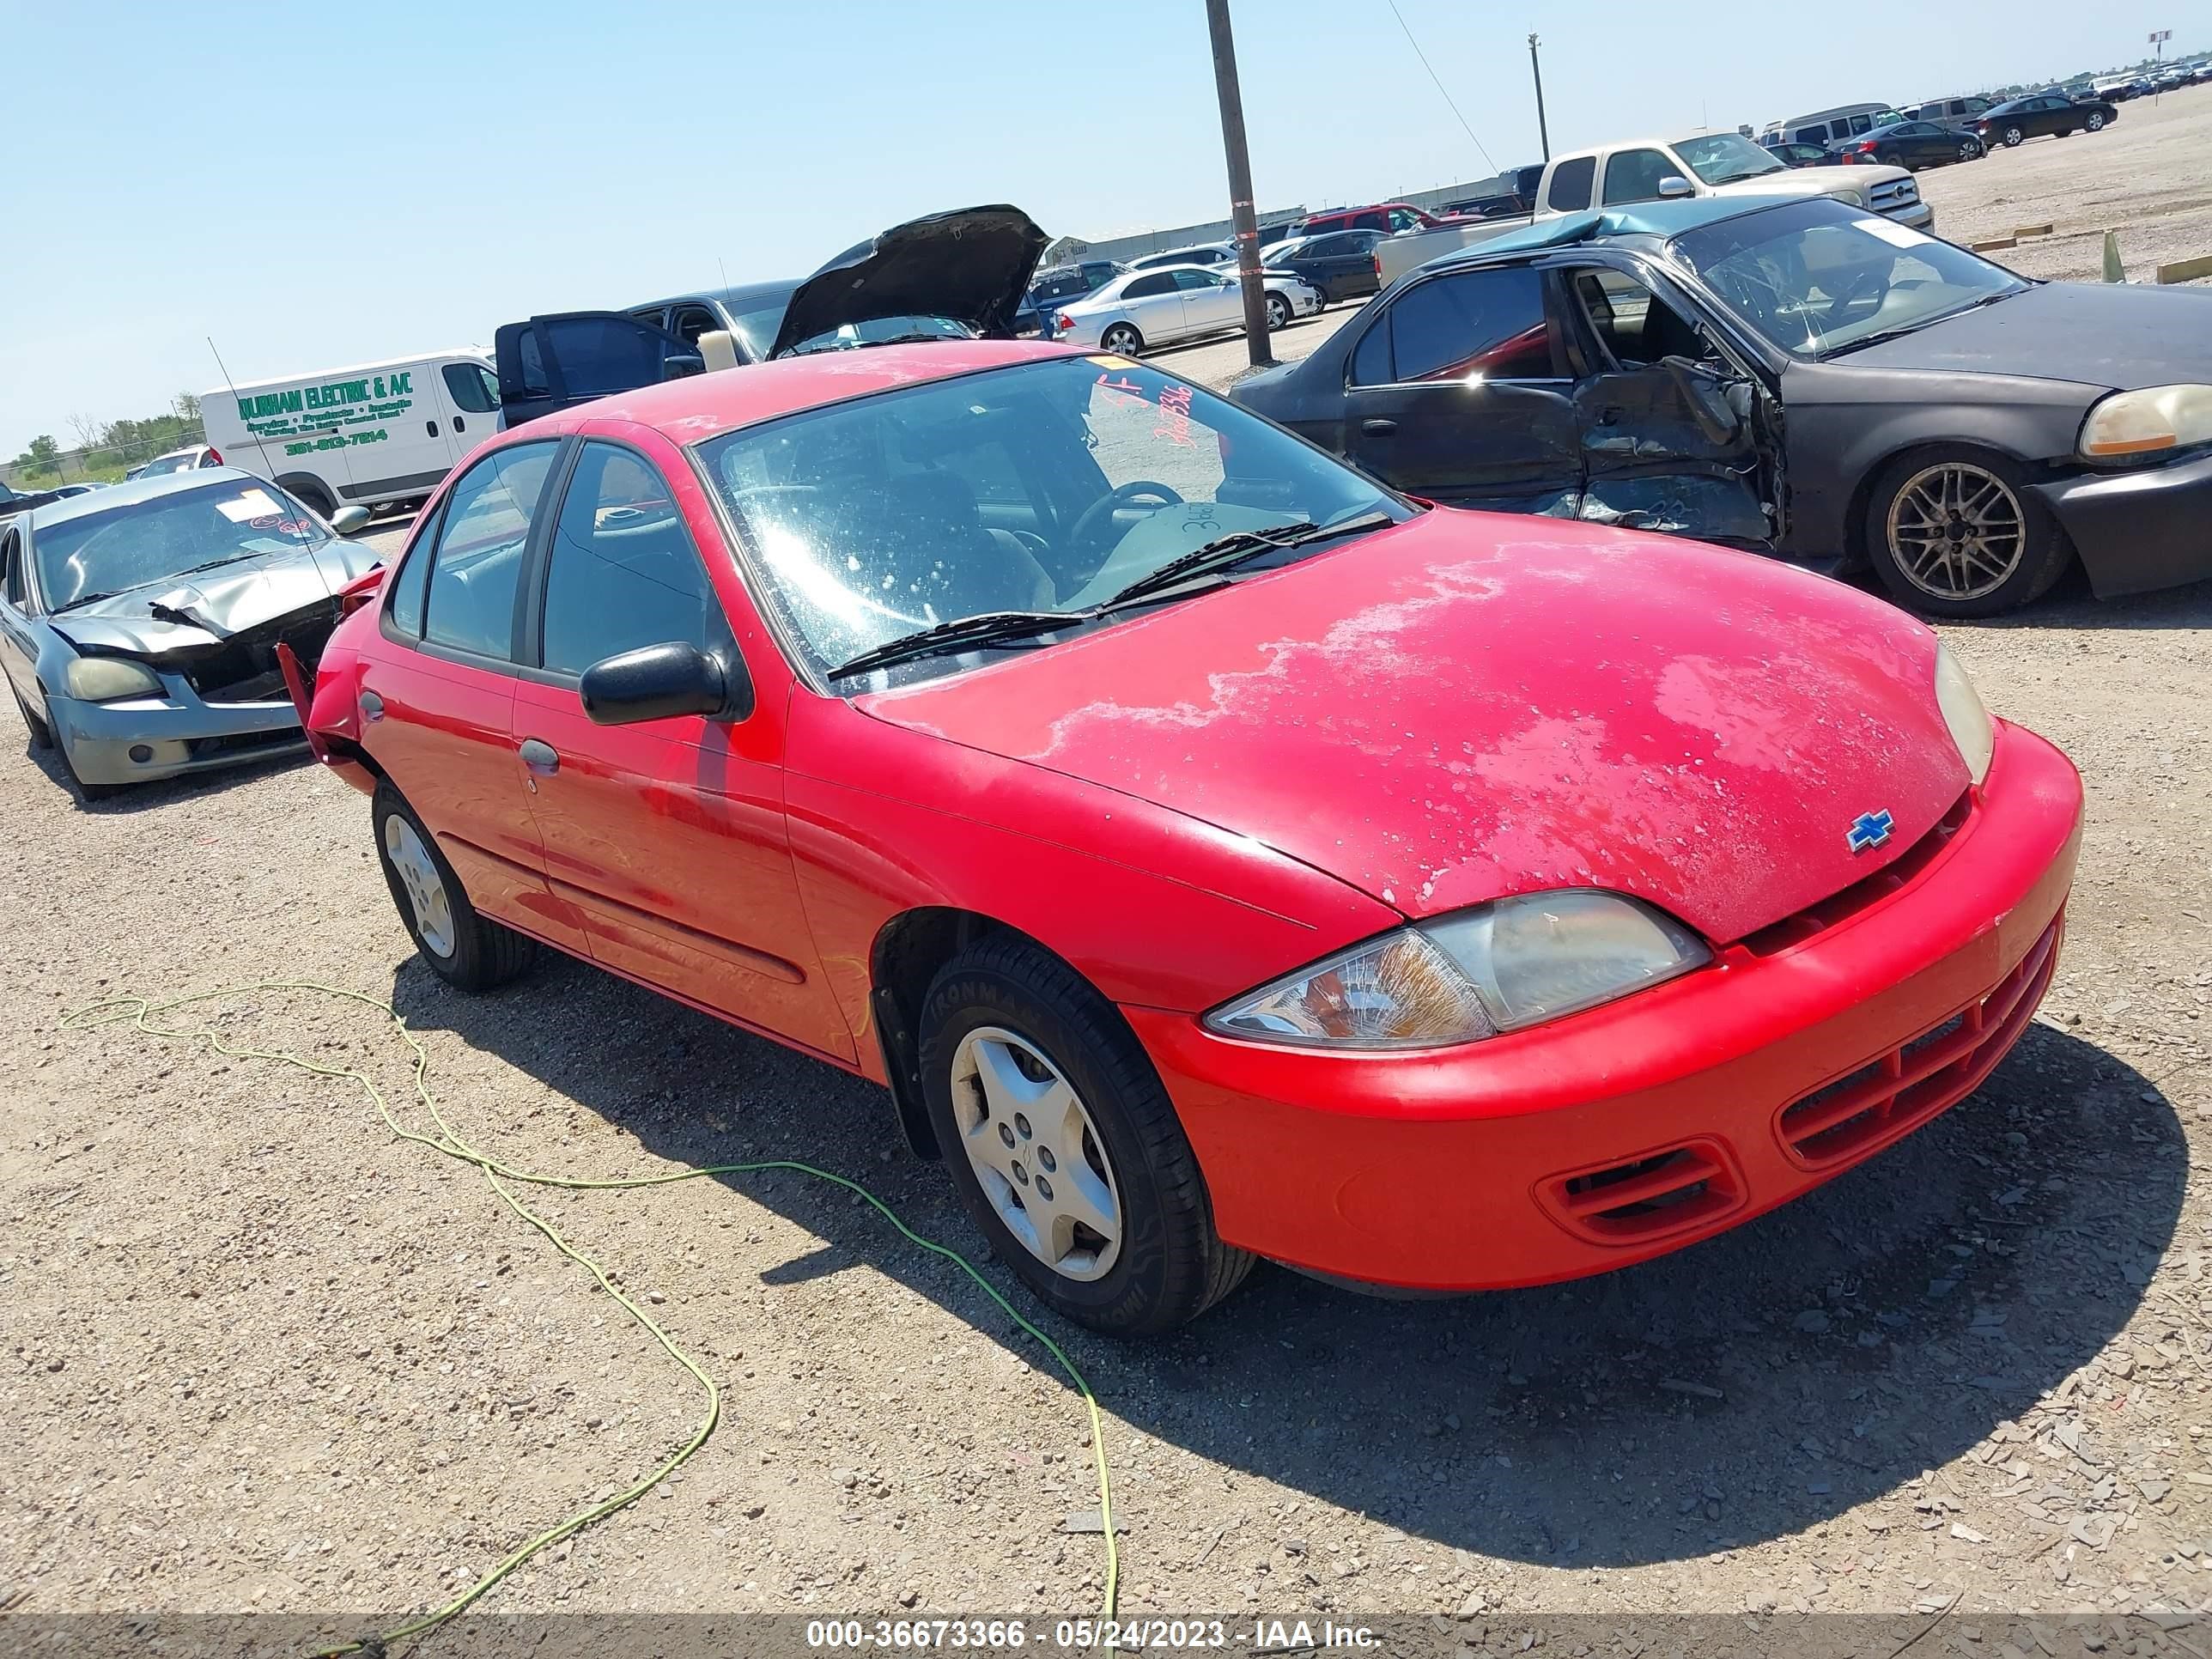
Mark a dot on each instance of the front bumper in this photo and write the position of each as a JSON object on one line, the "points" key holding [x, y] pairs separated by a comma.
{"points": [[2138, 531], [1920, 215], [1631, 1130], [177, 734]]}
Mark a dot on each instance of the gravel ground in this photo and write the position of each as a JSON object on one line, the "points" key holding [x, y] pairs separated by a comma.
{"points": [[262, 1355]]}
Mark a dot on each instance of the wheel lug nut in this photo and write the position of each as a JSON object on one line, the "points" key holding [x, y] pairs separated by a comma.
{"points": [[1006, 1133], [1023, 1124], [1044, 1189], [1045, 1157]]}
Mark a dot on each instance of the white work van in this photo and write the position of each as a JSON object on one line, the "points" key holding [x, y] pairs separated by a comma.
{"points": [[371, 434]]}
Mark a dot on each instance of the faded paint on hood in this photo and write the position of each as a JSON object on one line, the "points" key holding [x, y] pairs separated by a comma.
{"points": [[1471, 705], [160, 618], [2109, 336]]}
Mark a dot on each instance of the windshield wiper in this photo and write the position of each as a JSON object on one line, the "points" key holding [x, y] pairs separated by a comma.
{"points": [[212, 564], [982, 629], [82, 599], [1224, 551], [1882, 336]]}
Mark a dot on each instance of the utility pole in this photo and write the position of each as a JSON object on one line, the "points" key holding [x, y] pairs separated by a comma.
{"points": [[1241, 212], [1537, 69]]}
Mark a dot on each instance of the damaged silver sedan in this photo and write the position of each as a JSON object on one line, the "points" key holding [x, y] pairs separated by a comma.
{"points": [[139, 625]]}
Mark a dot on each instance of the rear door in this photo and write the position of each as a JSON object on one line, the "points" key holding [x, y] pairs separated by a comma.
{"points": [[1209, 302], [1456, 392], [554, 362], [437, 693], [1675, 437]]}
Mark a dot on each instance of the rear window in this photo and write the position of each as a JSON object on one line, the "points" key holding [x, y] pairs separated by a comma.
{"points": [[1569, 190]]}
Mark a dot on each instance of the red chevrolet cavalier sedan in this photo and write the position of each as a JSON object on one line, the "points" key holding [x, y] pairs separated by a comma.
{"points": [[1216, 854]]}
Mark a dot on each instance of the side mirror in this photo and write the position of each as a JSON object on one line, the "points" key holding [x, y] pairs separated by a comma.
{"points": [[658, 682], [349, 520], [1674, 186], [678, 364]]}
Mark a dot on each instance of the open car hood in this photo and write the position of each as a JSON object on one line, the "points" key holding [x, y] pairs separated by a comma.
{"points": [[184, 614], [971, 266]]}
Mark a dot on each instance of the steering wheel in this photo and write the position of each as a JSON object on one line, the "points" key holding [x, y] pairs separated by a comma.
{"points": [[1101, 511], [1865, 275]]}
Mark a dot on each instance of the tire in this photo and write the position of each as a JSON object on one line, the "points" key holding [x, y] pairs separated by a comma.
{"points": [[2006, 551], [312, 493], [1122, 339], [2014, 137], [2095, 124], [1279, 313], [1969, 152], [461, 947], [42, 735], [1006, 1008]]}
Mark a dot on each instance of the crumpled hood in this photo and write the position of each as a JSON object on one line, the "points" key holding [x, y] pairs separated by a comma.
{"points": [[971, 266], [233, 597], [2113, 336], [1473, 705]]}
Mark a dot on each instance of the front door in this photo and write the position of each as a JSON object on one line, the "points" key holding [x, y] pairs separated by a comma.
{"points": [[554, 362], [1155, 305], [1458, 394], [1675, 438], [437, 713], [667, 835], [1209, 301]]}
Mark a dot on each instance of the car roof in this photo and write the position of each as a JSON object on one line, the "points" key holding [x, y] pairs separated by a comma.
{"points": [[738, 298], [1656, 219], [701, 406], [131, 491]]}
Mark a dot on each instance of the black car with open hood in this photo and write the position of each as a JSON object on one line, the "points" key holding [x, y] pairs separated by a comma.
{"points": [[953, 274]]}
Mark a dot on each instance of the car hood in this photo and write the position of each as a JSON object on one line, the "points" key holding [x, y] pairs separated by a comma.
{"points": [[2117, 336], [1813, 181], [192, 613], [1473, 705], [971, 266]]}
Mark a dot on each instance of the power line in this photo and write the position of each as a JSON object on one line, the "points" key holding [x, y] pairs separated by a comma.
{"points": [[1424, 57]]}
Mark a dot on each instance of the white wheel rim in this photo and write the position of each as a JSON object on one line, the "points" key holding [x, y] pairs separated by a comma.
{"points": [[426, 888], [1041, 1160], [1956, 530]]}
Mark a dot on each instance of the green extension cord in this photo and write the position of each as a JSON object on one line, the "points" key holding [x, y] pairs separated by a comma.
{"points": [[139, 1012]]}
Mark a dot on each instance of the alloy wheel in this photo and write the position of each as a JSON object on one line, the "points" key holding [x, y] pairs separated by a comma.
{"points": [[2096, 123], [1956, 530], [2014, 136], [1121, 338], [426, 888], [1278, 311], [1039, 1157]]}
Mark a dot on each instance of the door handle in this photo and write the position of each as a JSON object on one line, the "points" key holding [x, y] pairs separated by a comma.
{"points": [[540, 758], [371, 706], [458, 425], [1378, 428], [431, 427]]}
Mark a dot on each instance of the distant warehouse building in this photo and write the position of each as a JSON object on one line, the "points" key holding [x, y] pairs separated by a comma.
{"points": [[1135, 245]]}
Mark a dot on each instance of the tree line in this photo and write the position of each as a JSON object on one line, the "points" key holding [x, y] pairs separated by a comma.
{"points": [[111, 447]]}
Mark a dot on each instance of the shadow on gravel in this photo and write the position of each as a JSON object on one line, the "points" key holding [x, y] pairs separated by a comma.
{"points": [[2071, 604], [1747, 1387], [166, 791]]}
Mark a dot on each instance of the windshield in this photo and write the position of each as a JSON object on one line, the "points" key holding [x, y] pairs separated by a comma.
{"points": [[183, 461], [878, 331], [126, 547], [1816, 278], [1046, 486], [1722, 158], [757, 322]]}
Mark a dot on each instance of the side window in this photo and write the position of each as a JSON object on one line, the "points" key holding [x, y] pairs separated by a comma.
{"points": [[1633, 175], [1474, 324], [481, 547], [1374, 220], [623, 573], [11, 567], [1633, 324], [1403, 219], [1815, 134], [1147, 288], [1370, 359], [408, 588], [1569, 189], [472, 390], [1197, 281], [1862, 124], [692, 321], [535, 382]]}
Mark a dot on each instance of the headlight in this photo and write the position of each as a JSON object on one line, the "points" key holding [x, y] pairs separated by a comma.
{"points": [[1462, 977], [1856, 199], [2146, 423], [1963, 712], [111, 679]]}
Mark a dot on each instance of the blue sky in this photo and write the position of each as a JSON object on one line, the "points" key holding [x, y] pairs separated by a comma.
{"points": [[318, 184]]}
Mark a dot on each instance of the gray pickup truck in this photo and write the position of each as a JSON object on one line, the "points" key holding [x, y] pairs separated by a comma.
{"points": [[1653, 169]]}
